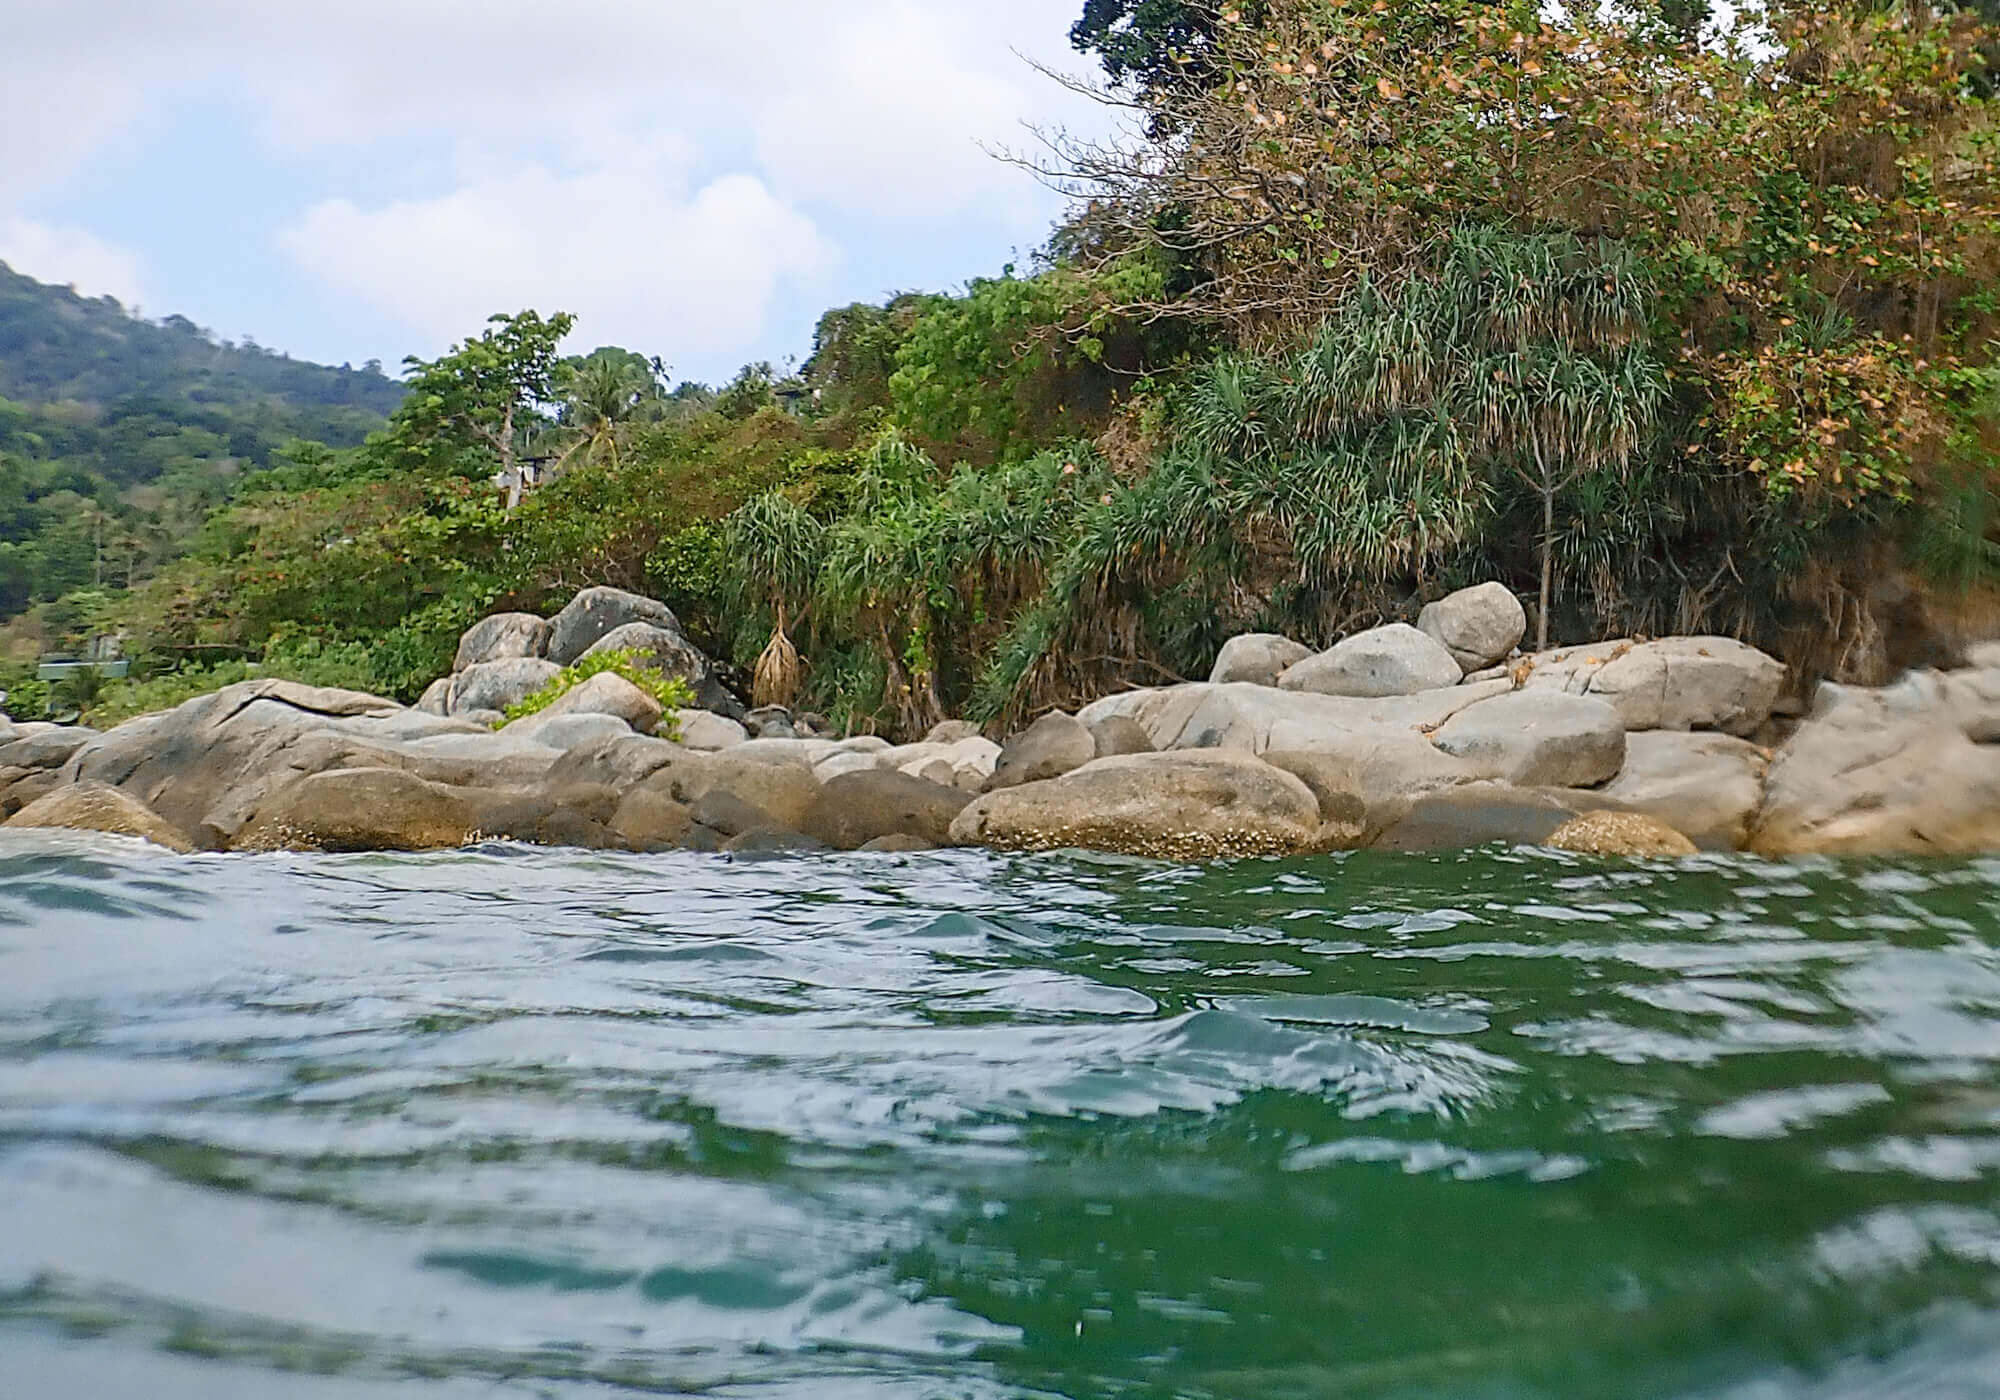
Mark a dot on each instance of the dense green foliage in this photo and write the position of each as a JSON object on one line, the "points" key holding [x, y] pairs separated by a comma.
{"points": [[1388, 299], [118, 436], [671, 692]]}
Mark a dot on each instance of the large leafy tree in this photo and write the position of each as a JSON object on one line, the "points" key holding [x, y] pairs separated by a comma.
{"points": [[1146, 43], [482, 396]]}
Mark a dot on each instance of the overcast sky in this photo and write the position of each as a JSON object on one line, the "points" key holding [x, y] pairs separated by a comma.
{"points": [[372, 178]]}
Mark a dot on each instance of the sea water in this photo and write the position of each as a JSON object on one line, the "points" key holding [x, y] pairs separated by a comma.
{"points": [[510, 1122]]}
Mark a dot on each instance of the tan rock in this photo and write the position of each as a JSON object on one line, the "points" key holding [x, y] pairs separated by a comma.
{"points": [[1608, 833], [361, 809], [96, 807], [1175, 806]]}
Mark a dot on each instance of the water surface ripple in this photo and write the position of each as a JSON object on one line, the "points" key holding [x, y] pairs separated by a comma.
{"points": [[529, 1123]]}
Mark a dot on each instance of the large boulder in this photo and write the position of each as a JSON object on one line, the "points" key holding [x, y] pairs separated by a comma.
{"points": [[502, 637], [1257, 718], [666, 650], [1383, 661], [857, 808], [1175, 806], [1538, 739], [360, 809], [951, 731], [564, 732], [786, 791], [595, 614], [44, 747], [621, 762], [662, 648], [1478, 626], [496, 685], [1911, 769], [207, 765], [605, 693], [1118, 735], [1053, 745], [1678, 683], [708, 731], [649, 820], [1706, 786], [1256, 658], [1609, 833], [95, 807]]}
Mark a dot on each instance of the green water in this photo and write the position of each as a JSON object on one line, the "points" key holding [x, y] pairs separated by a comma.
{"points": [[513, 1123]]}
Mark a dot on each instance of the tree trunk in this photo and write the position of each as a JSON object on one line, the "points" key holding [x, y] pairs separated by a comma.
{"points": [[510, 470], [1548, 562]]}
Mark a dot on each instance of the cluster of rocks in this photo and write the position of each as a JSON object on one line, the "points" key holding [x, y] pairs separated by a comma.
{"points": [[1400, 738]]}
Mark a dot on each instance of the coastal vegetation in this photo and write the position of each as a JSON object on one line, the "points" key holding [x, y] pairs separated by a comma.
{"points": [[1671, 322]]}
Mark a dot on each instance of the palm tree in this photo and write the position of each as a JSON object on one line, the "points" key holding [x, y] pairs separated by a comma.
{"points": [[605, 395]]}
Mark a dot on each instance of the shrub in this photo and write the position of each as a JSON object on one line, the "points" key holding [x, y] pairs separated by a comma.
{"points": [[671, 692]]}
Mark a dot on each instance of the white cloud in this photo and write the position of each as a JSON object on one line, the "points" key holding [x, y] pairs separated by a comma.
{"points": [[70, 256], [641, 258], [799, 116]]}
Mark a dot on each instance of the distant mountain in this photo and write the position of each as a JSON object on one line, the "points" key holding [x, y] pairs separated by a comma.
{"points": [[57, 346], [118, 435]]}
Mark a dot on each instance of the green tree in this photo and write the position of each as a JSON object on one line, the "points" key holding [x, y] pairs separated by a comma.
{"points": [[481, 395], [604, 396]]}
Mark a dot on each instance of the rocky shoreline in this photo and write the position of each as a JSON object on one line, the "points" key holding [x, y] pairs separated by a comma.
{"points": [[1401, 738]]}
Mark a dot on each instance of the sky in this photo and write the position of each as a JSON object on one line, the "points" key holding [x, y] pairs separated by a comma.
{"points": [[373, 179]]}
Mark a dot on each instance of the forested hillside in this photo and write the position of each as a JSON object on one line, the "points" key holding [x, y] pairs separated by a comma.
{"points": [[1673, 320], [119, 436]]}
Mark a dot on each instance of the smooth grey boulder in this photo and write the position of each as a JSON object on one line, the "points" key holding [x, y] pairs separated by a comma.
{"points": [[621, 762], [1258, 718], [1174, 806], [1331, 779], [1051, 746], [96, 807], [495, 685], [1478, 626], [502, 637], [51, 747], [1538, 739], [1909, 769], [566, 731], [1117, 735], [708, 731], [951, 731], [652, 821], [1256, 658], [1678, 683], [838, 764], [783, 790], [857, 808], [771, 722], [594, 614], [1383, 661], [662, 648], [605, 693], [436, 699], [1708, 787], [206, 765]]}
